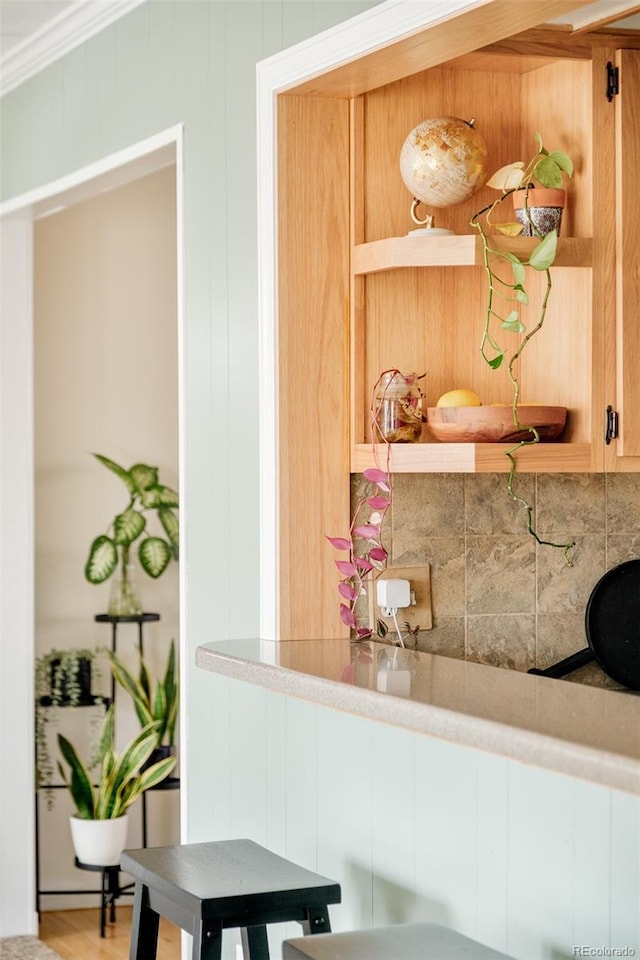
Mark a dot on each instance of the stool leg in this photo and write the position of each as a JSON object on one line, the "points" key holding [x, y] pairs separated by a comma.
{"points": [[144, 926], [103, 903], [114, 891], [255, 945], [207, 941], [317, 921]]}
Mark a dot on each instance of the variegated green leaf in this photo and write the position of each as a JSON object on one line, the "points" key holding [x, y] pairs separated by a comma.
{"points": [[563, 161], [102, 560], [171, 527], [106, 735], [154, 554], [545, 253], [159, 496], [519, 272], [119, 471], [128, 526], [144, 476], [79, 785], [144, 680], [156, 773], [128, 682], [548, 173], [126, 766], [510, 229], [513, 323], [160, 710], [507, 177]]}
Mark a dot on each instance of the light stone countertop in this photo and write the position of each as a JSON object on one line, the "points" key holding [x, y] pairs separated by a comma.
{"points": [[586, 732]]}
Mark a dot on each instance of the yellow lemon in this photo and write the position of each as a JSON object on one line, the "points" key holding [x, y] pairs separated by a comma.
{"points": [[459, 398]]}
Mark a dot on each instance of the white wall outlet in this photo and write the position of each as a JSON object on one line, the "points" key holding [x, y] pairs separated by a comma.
{"points": [[393, 593], [418, 613]]}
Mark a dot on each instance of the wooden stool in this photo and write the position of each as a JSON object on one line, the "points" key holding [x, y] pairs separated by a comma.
{"points": [[206, 888], [407, 941]]}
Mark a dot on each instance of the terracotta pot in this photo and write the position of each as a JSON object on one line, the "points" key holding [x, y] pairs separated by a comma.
{"points": [[544, 210]]}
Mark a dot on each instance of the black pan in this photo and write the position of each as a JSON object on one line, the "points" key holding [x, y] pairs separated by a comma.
{"points": [[612, 624]]}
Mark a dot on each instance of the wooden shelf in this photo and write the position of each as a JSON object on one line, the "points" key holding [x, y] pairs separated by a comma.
{"points": [[473, 457], [394, 253]]}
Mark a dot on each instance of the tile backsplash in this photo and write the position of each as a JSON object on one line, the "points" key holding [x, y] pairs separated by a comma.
{"points": [[497, 596]]}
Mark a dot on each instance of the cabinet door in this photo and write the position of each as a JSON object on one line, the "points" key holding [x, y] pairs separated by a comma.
{"points": [[628, 254]]}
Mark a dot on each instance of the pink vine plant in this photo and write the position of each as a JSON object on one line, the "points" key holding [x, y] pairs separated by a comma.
{"points": [[367, 557]]}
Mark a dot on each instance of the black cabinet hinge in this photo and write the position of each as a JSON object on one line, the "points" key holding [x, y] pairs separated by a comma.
{"points": [[613, 81], [611, 425]]}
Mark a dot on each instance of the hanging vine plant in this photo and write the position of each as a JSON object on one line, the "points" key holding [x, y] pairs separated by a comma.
{"points": [[506, 297], [366, 556]]}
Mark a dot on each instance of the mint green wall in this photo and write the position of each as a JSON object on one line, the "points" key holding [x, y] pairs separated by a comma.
{"points": [[410, 826], [163, 64], [417, 829]]}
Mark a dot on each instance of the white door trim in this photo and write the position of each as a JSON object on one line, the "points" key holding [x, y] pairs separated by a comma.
{"points": [[17, 879]]}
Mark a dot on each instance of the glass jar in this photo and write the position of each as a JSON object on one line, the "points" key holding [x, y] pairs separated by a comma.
{"points": [[124, 600], [398, 407]]}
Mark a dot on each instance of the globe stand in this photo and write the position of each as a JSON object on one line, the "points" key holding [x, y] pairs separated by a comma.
{"points": [[426, 228]]}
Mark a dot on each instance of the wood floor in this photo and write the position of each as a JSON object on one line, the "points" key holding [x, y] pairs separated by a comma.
{"points": [[75, 935]]}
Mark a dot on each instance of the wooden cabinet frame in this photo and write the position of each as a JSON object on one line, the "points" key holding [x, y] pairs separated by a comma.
{"points": [[326, 258]]}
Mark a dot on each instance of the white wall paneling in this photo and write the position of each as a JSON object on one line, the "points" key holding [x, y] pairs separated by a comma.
{"points": [[418, 829]]}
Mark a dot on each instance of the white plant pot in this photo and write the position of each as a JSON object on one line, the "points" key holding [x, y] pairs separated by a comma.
{"points": [[99, 842]]}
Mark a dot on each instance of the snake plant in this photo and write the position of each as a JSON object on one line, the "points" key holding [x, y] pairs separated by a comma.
{"points": [[145, 494], [122, 780], [160, 705]]}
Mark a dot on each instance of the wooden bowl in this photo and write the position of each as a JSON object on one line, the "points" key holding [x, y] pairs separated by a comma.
{"points": [[494, 424]]}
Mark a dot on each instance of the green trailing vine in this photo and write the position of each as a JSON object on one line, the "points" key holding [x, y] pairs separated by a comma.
{"points": [[58, 684], [506, 297]]}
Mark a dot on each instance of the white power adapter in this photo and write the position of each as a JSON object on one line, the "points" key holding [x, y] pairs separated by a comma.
{"points": [[392, 595]]}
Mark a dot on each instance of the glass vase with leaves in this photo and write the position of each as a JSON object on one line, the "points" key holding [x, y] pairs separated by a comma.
{"points": [[110, 552]]}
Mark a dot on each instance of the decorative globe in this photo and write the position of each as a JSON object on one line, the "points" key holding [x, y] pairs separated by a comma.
{"points": [[442, 161]]}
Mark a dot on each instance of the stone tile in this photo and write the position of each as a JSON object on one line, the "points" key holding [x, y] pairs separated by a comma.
{"points": [[502, 641], [623, 503], [591, 675], [564, 589], [622, 547], [446, 638], [426, 505], [558, 635], [446, 558], [489, 509], [570, 504], [500, 575], [611, 684]]}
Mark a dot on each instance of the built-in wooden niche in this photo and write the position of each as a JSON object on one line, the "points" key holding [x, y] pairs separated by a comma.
{"points": [[419, 304], [356, 295]]}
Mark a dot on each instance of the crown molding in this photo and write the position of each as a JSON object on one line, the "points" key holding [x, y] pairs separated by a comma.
{"points": [[83, 19]]}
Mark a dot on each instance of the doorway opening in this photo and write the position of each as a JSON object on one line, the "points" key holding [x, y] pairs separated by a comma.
{"points": [[31, 483]]}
